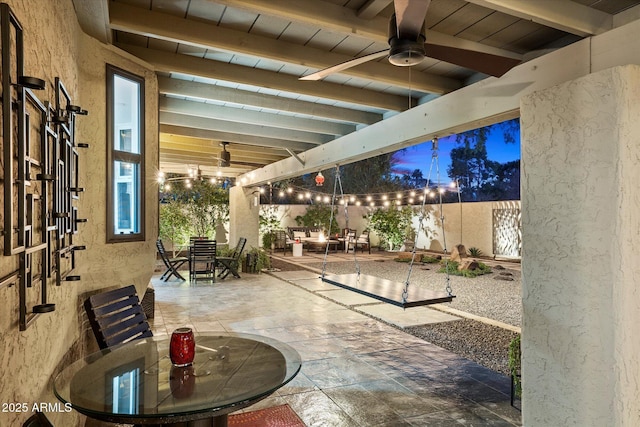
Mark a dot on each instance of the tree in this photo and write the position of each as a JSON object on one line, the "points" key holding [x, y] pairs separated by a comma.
{"points": [[506, 185], [392, 225], [372, 175], [174, 224], [478, 177], [206, 205], [319, 216], [469, 162]]}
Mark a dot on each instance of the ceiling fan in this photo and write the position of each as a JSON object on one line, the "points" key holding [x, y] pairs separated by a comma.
{"points": [[407, 46], [224, 159], [225, 156]]}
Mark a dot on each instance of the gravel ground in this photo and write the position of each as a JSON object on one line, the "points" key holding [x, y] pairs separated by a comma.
{"points": [[483, 296], [484, 344]]}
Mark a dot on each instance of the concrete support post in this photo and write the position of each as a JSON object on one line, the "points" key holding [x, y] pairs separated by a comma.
{"points": [[244, 215], [581, 239]]}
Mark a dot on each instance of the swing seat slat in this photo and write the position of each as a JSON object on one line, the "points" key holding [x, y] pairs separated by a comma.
{"points": [[386, 290]]}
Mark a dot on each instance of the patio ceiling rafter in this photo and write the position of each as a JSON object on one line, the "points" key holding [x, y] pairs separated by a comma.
{"points": [[195, 90], [185, 64], [167, 27]]}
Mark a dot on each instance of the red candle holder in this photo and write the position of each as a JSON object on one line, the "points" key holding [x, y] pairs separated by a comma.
{"points": [[182, 348]]}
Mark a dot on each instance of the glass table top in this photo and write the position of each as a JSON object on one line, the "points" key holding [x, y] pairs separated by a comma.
{"points": [[136, 381]]}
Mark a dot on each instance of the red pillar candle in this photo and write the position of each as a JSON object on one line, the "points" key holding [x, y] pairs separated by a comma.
{"points": [[182, 348]]}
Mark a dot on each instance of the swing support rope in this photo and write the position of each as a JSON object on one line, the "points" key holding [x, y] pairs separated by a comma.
{"points": [[423, 215], [337, 183], [405, 292]]}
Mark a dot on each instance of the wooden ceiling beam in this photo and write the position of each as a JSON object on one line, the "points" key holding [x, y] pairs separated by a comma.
{"points": [[197, 90], [244, 116], [239, 128], [167, 27], [275, 143], [185, 64], [372, 8], [564, 15], [345, 21]]}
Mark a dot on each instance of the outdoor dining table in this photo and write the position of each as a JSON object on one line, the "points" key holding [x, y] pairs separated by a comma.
{"points": [[136, 382]]}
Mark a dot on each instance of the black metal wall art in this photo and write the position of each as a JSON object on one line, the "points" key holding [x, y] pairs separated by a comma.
{"points": [[40, 178]]}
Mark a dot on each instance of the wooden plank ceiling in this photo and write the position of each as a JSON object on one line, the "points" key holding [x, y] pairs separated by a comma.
{"points": [[228, 69]]}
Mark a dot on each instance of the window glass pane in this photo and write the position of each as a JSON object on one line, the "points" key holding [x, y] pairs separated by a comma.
{"points": [[126, 114], [126, 185], [125, 156]]}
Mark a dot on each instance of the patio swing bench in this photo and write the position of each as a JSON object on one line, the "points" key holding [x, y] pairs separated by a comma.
{"points": [[386, 290]]}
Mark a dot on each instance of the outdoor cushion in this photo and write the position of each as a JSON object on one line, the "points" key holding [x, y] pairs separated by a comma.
{"points": [[315, 234], [299, 234]]}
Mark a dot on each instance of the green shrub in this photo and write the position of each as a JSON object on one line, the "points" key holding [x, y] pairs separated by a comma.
{"points": [[452, 266], [475, 252], [391, 225], [427, 259], [515, 356]]}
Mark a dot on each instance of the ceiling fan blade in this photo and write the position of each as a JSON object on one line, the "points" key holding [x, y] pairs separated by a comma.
{"points": [[410, 16], [493, 65], [343, 66]]}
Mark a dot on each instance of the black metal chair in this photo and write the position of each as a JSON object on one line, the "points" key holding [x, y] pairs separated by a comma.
{"points": [[117, 317], [202, 260], [231, 263], [172, 264], [38, 419]]}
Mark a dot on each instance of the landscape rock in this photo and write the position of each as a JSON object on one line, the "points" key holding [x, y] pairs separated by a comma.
{"points": [[458, 253], [468, 265]]}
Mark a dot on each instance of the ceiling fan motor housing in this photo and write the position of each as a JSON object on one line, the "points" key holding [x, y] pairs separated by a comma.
{"points": [[225, 157], [405, 49]]}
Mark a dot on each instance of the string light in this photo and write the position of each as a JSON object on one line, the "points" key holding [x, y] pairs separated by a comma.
{"points": [[402, 197]]}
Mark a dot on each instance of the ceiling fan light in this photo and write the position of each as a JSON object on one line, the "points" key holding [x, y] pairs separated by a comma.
{"points": [[406, 53]]}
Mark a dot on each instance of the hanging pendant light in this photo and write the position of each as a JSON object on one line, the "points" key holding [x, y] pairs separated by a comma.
{"points": [[319, 179]]}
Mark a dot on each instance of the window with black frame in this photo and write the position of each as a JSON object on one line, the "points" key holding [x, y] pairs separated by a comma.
{"points": [[125, 156]]}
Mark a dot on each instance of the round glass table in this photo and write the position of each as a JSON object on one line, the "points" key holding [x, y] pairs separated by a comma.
{"points": [[136, 382]]}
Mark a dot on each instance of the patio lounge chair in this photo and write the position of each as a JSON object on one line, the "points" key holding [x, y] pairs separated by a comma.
{"points": [[230, 264], [172, 264], [117, 317]]}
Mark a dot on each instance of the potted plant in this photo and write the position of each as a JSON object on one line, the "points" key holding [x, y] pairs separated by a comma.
{"points": [[515, 357], [255, 260]]}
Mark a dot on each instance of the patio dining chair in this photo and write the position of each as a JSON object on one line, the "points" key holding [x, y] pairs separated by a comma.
{"points": [[363, 242], [117, 317], [202, 260], [230, 264], [172, 264]]}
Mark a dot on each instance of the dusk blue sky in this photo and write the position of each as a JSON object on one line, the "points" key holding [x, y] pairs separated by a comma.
{"points": [[419, 156]]}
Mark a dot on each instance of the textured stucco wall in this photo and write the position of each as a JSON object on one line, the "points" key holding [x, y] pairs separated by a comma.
{"points": [[580, 158], [56, 47]]}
